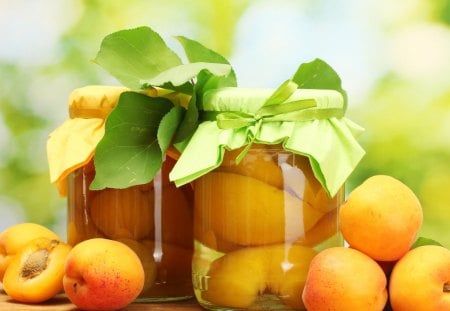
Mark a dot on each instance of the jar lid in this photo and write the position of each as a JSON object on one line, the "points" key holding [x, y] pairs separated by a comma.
{"points": [[305, 121], [94, 101]]}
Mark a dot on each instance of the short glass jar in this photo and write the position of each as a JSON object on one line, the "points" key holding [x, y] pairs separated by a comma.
{"points": [[154, 219], [257, 225]]}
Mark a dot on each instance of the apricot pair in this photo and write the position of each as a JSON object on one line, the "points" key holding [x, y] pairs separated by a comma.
{"points": [[380, 221], [236, 279], [33, 262]]}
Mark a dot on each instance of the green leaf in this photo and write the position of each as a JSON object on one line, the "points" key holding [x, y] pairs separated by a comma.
{"points": [[188, 125], [168, 127], [133, 55], [319, 75], [421, 241], [196, 52], [206, 80], [184, 73], [129, 153]]}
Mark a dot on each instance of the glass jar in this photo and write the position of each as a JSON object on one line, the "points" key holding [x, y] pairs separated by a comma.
{"points": [[155, 219], [257, 225]]}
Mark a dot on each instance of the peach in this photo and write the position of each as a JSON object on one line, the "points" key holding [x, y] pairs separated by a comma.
{"points": [[236, 279], [420, 280], [16, 237], [324, 229], [146, 257], [173, 269], [102, 274], [288, 269], [36, 272], [266, 215], [381, 218], [176, 217], [258, 163], [123, 213], [344, 279]]}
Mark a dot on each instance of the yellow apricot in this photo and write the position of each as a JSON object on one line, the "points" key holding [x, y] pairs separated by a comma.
{"points": [[236, 279], [36, 272], [381, 218], [16, 237], [123, 213], [246, 211]]}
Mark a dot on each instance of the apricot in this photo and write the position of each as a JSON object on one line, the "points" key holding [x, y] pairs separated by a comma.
{"points": [[246, 211], [381, 218], [123, 213], [420, 280], [236, 279], [344, 279], [146, 257], [102, 274], [36, 272], [16, 237]]}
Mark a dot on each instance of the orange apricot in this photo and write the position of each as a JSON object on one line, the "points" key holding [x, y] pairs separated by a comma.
{"points": [[341, 278], [102, 274], [381, 218], [36, 272]]}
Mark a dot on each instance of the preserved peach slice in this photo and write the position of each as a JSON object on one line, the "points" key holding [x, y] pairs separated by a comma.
{"points": [[173, 269], [325, 228], [257, 163], [14, 238], [146, 257], [36, 272], [236, 279], [123, 213], [287, 272], [246, 211], [176, 218]]}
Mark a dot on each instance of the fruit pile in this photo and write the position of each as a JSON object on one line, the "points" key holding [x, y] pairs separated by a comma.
{"points": [[380, 268], [96, 274]]}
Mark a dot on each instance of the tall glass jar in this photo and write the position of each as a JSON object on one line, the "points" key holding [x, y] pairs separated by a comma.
{"points": [[257, 226], [154, 219]]}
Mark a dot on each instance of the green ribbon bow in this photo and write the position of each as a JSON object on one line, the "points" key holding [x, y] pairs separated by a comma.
{"points": [[307, 122]]}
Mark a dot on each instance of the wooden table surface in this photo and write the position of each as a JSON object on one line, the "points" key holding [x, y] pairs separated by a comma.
{"points": [[61, 303]]}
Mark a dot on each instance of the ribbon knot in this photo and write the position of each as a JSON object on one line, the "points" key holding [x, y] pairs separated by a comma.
{"points": [[277, 108]]}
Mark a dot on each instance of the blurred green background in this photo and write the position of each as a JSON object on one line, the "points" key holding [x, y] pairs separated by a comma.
{"points": [[393, 58]]}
